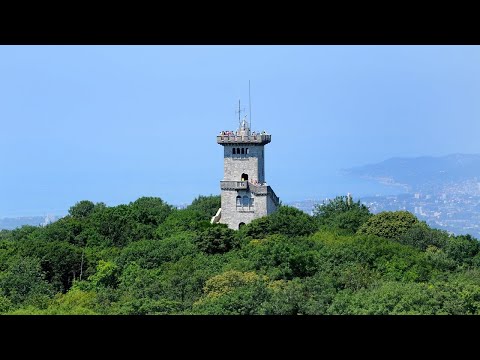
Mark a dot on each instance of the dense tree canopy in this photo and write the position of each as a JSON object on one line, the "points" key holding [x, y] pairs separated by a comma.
{"points": [[149, 258], [207, 205], [81, 209], [341, 213], [389, 224], [286, 220]]}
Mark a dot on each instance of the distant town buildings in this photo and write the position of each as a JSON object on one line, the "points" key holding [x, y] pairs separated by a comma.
{"points": [[456, 213]]}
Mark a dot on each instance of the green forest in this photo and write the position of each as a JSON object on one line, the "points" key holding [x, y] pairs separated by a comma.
{"points": [[148, 257]]}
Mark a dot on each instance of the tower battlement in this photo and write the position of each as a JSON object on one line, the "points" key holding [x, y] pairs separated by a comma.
{"points": [[243, 136], [260, 139]]}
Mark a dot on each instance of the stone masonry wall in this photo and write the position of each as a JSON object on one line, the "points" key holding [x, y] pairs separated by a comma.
{"points": [[271, 207], [251, 164], [233, 216]]}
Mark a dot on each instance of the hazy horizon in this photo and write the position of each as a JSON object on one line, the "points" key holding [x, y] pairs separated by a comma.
{"points": [[114, 123], [364, 187]]}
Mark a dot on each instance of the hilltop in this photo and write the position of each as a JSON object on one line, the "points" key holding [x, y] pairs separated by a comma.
{"points": [[147, 257]]}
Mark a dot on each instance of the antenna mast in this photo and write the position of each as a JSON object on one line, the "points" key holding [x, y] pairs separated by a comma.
{"points": [[239, 112], [239, 123], [249, 104]]}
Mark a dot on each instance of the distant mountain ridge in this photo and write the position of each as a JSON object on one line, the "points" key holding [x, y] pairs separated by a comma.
{"points": [[455, 172], [13, 223]]}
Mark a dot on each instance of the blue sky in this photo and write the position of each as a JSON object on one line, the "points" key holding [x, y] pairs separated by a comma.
{"points": [[113, 123]]}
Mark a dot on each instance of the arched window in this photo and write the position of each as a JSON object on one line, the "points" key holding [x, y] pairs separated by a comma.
{"points": [[238, 150], [246, 201], [233, 151], [243, 151], [239, 201], [252, 201], [246, 151], [240, 225], [244, 177]]}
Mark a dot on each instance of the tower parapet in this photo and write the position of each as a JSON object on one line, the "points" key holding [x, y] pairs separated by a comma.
{"points": [[244, 136], [262, 139]]}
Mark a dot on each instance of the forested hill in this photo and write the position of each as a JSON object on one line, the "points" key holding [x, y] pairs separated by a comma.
{"points": [[150, 258]]}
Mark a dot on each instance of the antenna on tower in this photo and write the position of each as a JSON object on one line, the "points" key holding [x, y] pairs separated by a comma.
{"points": [[239, 123], [239, 111], [249, 104]]}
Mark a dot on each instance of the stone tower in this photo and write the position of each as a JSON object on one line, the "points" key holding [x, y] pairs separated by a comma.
{"points": [[245, 194]]}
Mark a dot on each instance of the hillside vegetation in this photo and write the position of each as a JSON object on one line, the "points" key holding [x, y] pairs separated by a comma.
{"points": [[149, 258]]}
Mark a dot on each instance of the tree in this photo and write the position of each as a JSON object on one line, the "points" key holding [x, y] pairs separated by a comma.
{"points": [[24, 281], [66, 229], [286, 298], [182, 220], [24, 232], [228, 281], [321, 290], [81, 209], [207, 205], [150, 210], [5, 304], [233, 293], [286, 220], [60, 261], [74, 302], [150, 254], [106, 275], [462, 248], [7, 251], [281, 257], [216, 239], [147, 213], [387, 298], [421, 236], [388, 224], [114, 224], [341, 213]]}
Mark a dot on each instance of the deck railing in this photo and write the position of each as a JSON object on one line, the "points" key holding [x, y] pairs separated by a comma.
{"points": [[234, 185], [232, 139], [254, 188]]}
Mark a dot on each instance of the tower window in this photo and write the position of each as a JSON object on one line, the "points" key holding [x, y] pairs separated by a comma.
{"points": [[246, 151], [238, 150], [244, 177], [239, 201], [246, 201], [243, 151], [233, 151], [252, 201]]}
